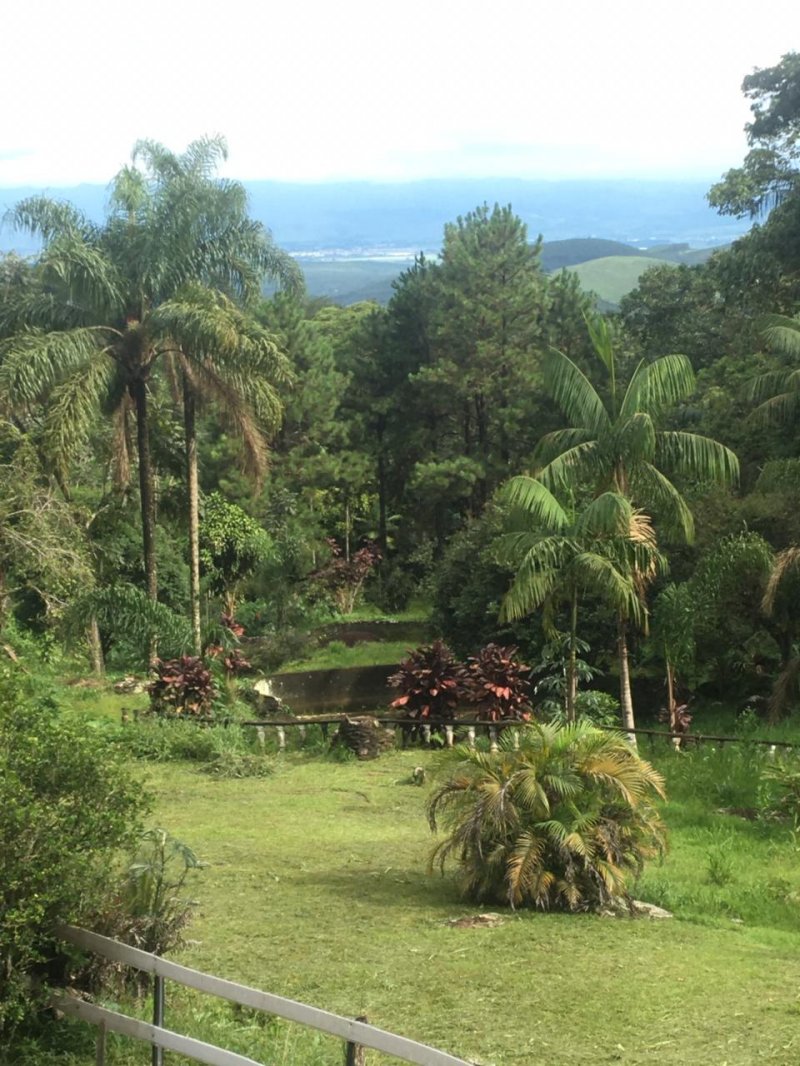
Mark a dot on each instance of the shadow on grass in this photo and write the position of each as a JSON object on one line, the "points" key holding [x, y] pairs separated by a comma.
{"points": [[387, 888]]}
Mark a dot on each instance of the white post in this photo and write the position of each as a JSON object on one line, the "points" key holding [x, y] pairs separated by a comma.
{"points": [[260, 737], [471, 736], [426, 734], [492, 738], [281, 737], [448, 733]]}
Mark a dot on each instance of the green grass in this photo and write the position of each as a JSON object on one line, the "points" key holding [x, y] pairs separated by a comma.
{"points": [[337, 656], [317, 889], [613, 276]]}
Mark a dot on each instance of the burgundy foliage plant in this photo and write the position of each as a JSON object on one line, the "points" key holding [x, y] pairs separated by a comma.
{"points": [[497, 682], [430, 683], [182, 688]]}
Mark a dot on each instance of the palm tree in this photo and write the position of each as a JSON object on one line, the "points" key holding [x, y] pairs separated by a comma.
{"points": [[615, 444], [608, 550], [115, 300], [561, 823]]}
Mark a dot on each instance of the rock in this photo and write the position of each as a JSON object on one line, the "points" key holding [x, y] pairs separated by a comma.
{"points": [[476, 921], [648, 910], [130, 685]]}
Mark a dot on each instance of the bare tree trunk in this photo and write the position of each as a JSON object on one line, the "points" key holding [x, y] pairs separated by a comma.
{"points": [[190, 434], [572, 666], [626, 698], [95, 647]]}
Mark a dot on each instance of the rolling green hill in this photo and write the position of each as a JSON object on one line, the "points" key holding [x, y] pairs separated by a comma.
{"points": [[608, 268], [611, 277]]}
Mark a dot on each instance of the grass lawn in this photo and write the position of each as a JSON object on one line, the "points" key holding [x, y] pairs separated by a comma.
{"points": [[337, 656], [317, 889]]}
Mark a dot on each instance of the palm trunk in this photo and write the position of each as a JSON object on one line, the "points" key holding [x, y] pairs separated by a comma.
{"points": [[190, 433], [95, 647], [672, 705], [147, 494], [572, 667], [147, 498], [626, 698]]}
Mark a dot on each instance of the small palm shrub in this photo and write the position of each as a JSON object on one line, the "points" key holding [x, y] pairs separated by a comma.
{"points": [[498, 683], [563, 823], [430, 681]]}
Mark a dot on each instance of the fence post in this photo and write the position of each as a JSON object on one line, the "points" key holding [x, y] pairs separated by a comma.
{"points": [[355, 1054], [100, 1058], [158, 1017]]}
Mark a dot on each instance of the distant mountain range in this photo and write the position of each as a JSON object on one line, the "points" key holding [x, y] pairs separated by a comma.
{"points": [[353, 238], [370, 217]]}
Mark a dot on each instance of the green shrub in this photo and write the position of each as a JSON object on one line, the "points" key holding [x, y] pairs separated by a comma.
{"points": [[563, 822], [779, 796], [67, 804], [169, 740], [238, 764]]}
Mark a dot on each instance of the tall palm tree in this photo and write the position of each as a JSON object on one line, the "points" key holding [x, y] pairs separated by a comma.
{"points": [[608, 549], [114, 300], [614, 444]]}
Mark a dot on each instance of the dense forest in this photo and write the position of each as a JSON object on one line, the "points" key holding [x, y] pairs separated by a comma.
{"points": [[589, 519], [595, 489]]}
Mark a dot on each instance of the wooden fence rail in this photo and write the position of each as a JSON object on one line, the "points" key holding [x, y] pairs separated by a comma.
{"points": [[355, 1033]]}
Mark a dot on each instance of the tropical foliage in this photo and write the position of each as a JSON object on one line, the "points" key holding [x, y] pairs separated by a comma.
{"points": [[430, 682], [566, 822]]}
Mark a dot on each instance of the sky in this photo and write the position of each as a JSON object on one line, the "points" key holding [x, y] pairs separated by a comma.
{"points": [[366, 89]]}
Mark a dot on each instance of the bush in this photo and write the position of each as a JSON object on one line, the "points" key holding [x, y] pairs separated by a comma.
{"points": [[182, 687], [169, 740], [150, 908], [497, 682], [430, 683], [780, 791], [562, 823], [67, 804]]}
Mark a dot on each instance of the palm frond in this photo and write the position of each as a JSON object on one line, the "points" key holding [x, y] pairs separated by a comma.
{"points": [[657, 386], [33, 362], [574, 393], [782, 334], [72, 408], [696, 456], [581, 464], [608, 514], [537, 502], [786, 565], [46, 218], [659, 491]]}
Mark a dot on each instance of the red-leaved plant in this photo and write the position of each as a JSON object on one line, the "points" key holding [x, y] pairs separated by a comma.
{"points": [[344, 579], [497, 682], [182, 687], [430, 683], [228, 652]]}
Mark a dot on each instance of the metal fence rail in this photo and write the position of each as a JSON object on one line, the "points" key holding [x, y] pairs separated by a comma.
{"points": [[354, 1033]]}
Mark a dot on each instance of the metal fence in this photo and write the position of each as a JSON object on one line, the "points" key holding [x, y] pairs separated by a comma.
{"points": [[356, 1033]]}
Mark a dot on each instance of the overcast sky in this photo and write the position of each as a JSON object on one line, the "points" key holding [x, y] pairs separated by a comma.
{"points": [[353, 89]]}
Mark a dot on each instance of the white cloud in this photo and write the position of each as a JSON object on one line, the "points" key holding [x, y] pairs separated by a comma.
{"points": [[313, 91]]}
